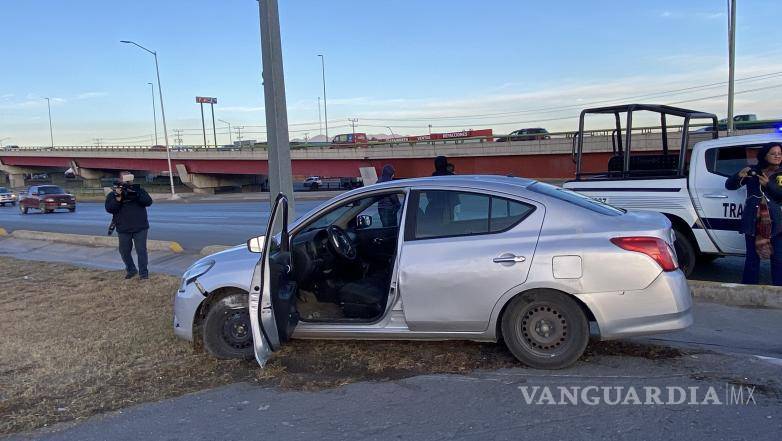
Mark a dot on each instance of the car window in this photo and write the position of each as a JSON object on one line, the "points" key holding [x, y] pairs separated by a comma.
{"points": [[442, 213], [727, 161], [506, 213], [33, 191], [50, 190], [386, 211], [372, 207], [576, 199], [3, 190]]}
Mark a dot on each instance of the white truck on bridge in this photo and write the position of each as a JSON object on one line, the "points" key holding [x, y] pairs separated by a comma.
{"points": [[686, 185]]}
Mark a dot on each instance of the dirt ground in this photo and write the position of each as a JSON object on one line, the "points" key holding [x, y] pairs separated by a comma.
{"points": [[76, 342]]}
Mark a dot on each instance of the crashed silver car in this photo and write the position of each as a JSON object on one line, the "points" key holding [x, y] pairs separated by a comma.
{"points": [[484, 258]]}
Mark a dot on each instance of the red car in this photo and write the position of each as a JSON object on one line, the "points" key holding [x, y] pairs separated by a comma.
{"points": [[46, 198]]}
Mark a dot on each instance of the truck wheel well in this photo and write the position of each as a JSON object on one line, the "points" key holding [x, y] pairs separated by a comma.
{"points": [[584, 308], [203, 309], [683, 227]]}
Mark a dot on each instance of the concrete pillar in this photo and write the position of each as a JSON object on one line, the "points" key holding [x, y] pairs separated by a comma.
{"points": [[208, 183], [89, 174], [16, 181]]}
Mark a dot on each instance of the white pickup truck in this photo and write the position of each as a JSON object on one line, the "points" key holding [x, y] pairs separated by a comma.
{"points": [[686, 185]]}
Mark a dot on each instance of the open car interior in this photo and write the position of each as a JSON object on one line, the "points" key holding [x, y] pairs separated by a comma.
{"points": [[343, 260]]}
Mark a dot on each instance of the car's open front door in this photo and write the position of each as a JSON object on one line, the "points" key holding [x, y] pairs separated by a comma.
{"points": [[273, 313]]}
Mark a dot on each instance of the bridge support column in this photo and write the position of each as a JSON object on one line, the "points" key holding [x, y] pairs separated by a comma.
{"points": [[16, 180], [90, 176], [16, 174], [208, 183]]}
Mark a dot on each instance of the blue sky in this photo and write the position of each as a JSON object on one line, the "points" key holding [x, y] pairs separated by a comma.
{"points": [[404, 64]]}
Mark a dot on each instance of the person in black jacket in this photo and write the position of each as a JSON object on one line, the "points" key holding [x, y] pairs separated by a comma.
{"points": [[388, 206], [756, 179], [128, 204], [441, 167]]}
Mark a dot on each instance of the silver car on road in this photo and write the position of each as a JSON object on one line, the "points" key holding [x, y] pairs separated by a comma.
{"points": [[484, 258]]}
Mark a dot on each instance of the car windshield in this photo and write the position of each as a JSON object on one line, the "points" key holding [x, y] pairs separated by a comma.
{"points": [[576, 199], [50, 190]]}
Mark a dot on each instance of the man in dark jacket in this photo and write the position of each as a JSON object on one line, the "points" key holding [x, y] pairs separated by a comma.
{"points": [[128, 204], [388, 206], [441, 166]]}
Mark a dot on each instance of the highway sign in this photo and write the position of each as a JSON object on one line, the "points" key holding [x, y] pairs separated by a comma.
{"points": [[206, 100]]}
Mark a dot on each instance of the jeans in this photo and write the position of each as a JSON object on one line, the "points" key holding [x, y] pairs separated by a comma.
{"points": [[126, 243], [752, 262]]}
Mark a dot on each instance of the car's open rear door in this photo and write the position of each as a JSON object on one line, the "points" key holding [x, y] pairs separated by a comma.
{"points": [[273, 313]]}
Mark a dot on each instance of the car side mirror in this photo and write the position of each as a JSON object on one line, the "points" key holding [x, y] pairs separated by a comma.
{"points": [[363, 221], [255, 244]]}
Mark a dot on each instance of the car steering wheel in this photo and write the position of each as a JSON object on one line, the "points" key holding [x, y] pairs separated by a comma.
{"points": [[340, 243]]}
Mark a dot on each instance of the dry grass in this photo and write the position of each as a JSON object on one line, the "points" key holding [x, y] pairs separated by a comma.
{"points": [[76, 342]]}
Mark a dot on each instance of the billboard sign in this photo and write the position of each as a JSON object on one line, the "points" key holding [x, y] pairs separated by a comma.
{"points": [[206, 100]]}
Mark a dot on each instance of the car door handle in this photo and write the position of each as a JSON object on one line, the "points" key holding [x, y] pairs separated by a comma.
{"points": [[509, 259], [715, 196]]}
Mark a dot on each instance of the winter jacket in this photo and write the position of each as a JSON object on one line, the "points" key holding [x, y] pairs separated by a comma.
{"points": [[130, 214], [754, 195]]}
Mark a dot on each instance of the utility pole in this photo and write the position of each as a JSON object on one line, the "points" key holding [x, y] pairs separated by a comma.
{"points": [[731, 61], [178, 136], [353, 122], [203, 124], [239, 135], [230, 136], [320, 123], [154, 114], [51, 132], [325, 108], [280, 173]]}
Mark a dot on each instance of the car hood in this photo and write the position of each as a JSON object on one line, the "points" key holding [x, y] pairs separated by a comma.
{"points": [[232, 268]]}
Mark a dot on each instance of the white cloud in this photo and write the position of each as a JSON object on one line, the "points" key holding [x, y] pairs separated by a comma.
{"points": [[88, 95]]}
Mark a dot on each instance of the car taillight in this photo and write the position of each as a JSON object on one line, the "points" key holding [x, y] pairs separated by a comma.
{"points": [[654, 247]]}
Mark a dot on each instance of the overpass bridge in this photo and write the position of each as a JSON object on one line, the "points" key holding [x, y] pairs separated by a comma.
{"points": [[206, 169]]}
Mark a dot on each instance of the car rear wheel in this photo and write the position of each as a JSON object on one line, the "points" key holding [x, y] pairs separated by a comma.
{"points": [[685, 253], [227, 332], [545, 329]]}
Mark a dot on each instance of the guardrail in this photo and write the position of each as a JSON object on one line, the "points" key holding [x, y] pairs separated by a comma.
{"points": [[504, 138]]}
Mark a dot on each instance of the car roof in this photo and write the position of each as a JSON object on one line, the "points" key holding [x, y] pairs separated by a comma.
{"points": [[478, 182]]}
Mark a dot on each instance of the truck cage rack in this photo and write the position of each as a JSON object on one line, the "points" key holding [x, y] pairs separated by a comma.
{"points": [[622, 164]]}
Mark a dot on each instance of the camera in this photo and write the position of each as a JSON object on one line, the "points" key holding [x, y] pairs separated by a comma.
{"points": [[752, 173], [129, 191]]}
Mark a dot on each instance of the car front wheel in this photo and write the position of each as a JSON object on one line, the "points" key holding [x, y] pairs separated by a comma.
{"points": [[227, 332], [545, 329]]}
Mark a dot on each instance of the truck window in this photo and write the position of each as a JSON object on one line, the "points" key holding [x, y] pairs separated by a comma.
{"points": [[727, 161]]}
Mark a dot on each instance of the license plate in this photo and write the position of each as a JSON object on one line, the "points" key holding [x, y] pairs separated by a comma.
{"points": [[63, 203]]}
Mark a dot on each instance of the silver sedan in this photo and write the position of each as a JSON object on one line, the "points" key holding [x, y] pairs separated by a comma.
{"points": [[484, 258]]}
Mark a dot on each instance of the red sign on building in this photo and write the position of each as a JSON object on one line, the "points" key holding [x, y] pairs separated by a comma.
{"points": [[206, 100]]}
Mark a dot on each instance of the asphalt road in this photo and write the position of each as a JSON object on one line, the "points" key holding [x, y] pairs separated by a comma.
{"points": [[192, 224], [198, 224]]}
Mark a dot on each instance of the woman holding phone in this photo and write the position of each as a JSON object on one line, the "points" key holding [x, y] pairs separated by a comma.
{"points": [[761, 220]]}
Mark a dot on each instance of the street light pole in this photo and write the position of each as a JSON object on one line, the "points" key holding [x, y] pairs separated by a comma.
{"points": [[162, 115], [731, 61], [51, 132], [230, 137], [325, 107], [320, 122], [154, 114]]}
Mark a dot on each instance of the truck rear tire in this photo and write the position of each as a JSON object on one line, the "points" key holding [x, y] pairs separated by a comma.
{"points": [[685, 253]]}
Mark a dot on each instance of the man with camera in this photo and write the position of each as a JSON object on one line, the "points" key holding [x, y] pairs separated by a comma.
{"points": [[128, 204]]}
